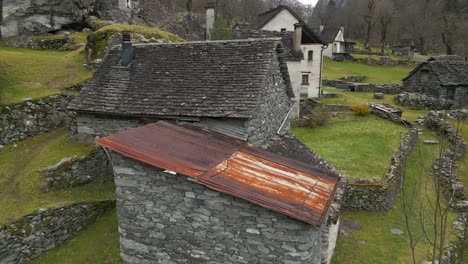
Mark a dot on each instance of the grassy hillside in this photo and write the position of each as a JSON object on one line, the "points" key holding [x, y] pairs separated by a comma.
{"points": [[333, 70], [26, 73], [359, 147], [99, 243], [374, 243], [20, 180]]}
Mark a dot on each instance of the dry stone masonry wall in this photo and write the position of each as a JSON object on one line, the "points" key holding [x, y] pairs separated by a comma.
{"points": [[380, 195], [444, 169], [32, 117], [75, 171], [423, 101], [165, 218], [364, 87], [45, 229]]}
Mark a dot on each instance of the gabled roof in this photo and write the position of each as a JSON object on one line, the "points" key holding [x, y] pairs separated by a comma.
{"points": [[329, 34], [449, 69], [267, 16], [287, 39], [299, 190], [192, 79]]}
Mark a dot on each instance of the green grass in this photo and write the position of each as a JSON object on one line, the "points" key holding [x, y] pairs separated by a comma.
{"points": [[26, 73], [334, 70], [381, 246], [360, 147], [353, 98], [99, 38], [99, 243], [20, 180]]}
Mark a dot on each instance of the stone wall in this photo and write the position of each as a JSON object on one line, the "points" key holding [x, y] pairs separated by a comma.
{"points": [[423, 101], [48, 42], [165, 218], [43, 230], [380, 195], [272, 109], [90, 126], [444, 169], [32, 117], [386, 61], [75, 171], [364, 87]]}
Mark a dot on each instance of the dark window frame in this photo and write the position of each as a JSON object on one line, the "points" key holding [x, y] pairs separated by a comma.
{"points": [[305, 79], [310, 55]]}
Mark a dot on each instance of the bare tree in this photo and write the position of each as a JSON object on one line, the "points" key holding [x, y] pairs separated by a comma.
{"points": [[369, 20], [386, 11]]}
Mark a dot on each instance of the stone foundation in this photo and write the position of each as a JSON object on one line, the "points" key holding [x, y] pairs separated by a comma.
{"points": [[165, 218], [43, 230], [32, 117]]}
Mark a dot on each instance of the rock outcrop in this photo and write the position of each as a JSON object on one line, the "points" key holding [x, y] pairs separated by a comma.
{"points": [[32, 17]]}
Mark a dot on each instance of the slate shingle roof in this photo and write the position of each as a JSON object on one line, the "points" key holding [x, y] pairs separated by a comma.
{"points": [[329, 34], [287, 38], [196, 79], [449, 70]]}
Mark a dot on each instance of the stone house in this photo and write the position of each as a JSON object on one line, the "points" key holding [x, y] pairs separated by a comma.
{"points": [[240, 88], [338, 48], [404, 48], [189, 195], [444, 77], [304, 48]]}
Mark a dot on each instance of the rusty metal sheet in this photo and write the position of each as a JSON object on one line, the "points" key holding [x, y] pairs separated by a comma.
{"points": [[231, 166]]}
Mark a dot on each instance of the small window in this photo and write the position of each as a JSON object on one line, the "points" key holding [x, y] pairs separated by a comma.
{"points": [[451, 93], [283, 30], [310, 57], [305, 79]]}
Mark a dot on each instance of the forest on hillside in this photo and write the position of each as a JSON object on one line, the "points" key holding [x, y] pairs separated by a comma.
{"points": [[435, 26]]}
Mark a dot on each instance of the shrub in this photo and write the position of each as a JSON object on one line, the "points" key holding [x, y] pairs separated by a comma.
{"points": [[361, 109], [318, 117]]}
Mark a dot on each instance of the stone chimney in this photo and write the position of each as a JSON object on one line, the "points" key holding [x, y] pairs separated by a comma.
{"points": [[210, 20], [297, 37], [322, 27], [127, 49]]}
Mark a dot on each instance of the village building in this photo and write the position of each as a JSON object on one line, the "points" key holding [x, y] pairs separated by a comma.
{"points": [[189, 195], [404, 48], [304, 49], [444, 77], [338, 48], [239, 87]]}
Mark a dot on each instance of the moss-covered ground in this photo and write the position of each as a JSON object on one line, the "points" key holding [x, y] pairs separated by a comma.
{"points": [[20, 179], [359, 146], [26, 73], [334, 70], [99, 38]]}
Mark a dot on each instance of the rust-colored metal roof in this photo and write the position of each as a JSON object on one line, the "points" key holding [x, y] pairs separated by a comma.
{"points": [[231, 166]]}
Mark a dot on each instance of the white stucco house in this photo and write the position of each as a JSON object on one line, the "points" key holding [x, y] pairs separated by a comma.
{"points": [[303, 46], [338, 48]]}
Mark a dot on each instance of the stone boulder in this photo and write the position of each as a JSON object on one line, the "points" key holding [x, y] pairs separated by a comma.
{"points": [[33, 17]]}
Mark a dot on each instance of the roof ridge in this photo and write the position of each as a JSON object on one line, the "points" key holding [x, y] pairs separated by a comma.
{"points": [[271, 39]]}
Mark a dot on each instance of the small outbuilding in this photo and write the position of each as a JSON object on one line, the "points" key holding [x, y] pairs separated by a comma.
{"points": [[189, 195], [444, 77]]}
